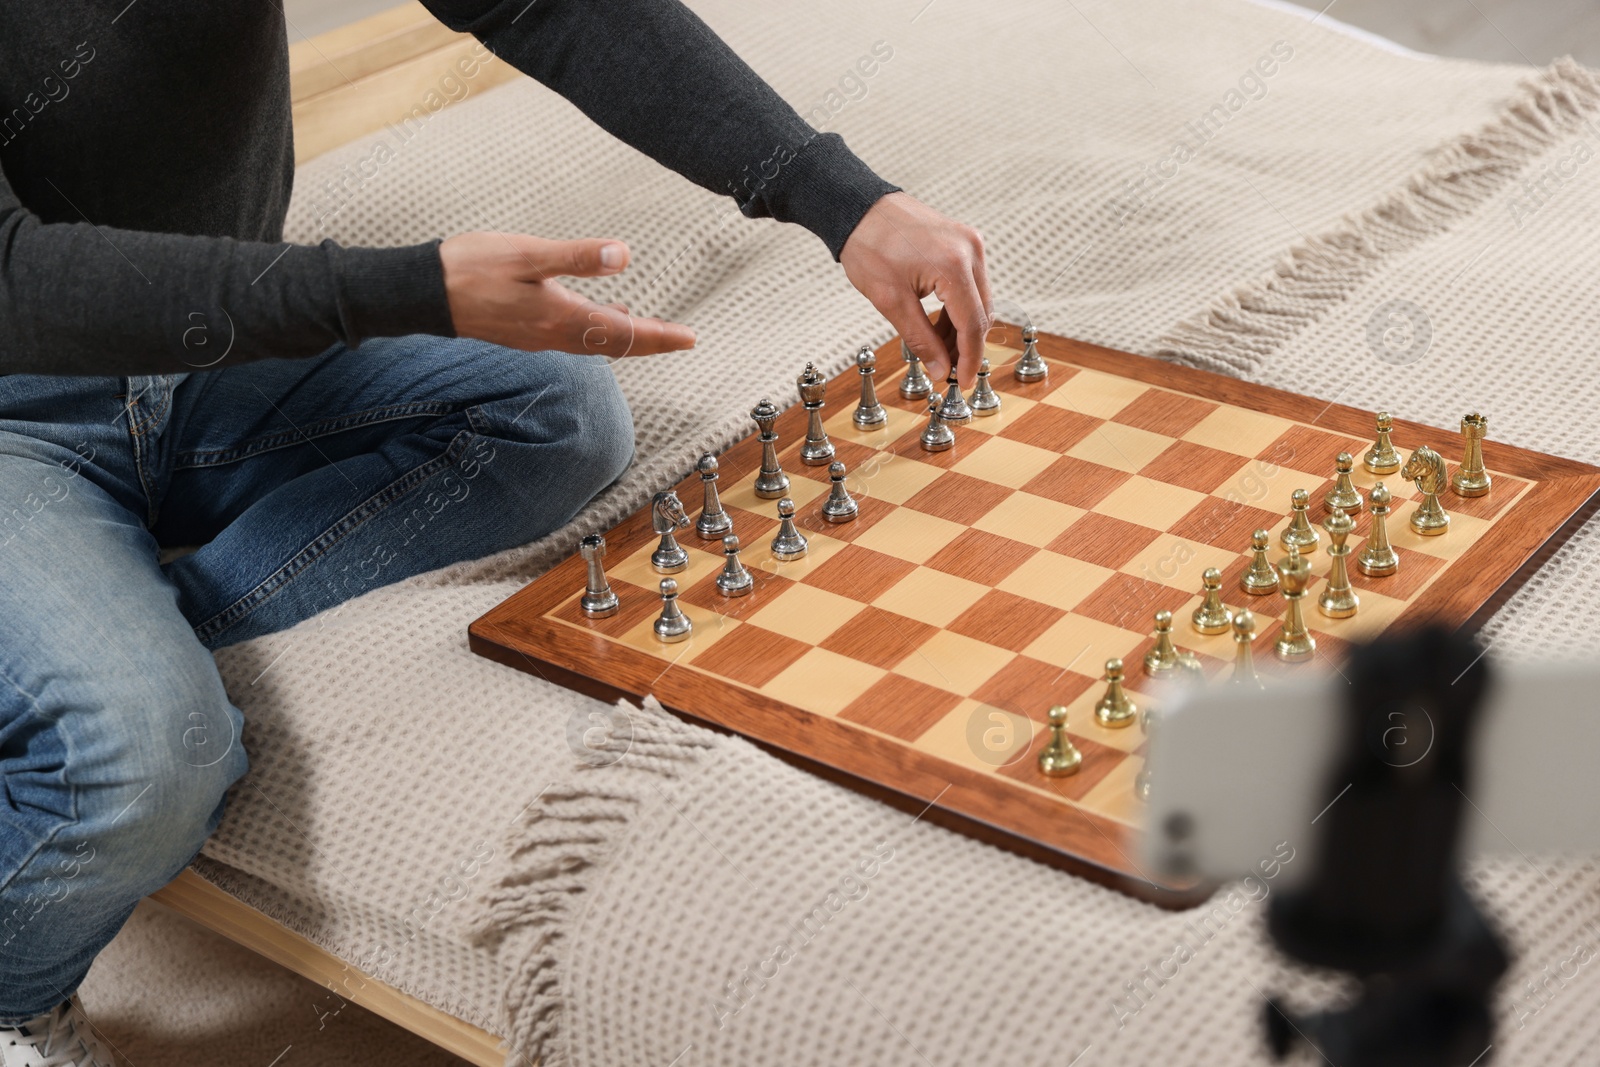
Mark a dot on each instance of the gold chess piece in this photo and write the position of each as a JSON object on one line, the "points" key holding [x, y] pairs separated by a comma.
{"points": [[1260, 578], [1344, 495], [1163, 657], [1115, 710], [1471, 478], [1426, 468], [1381, 458], [1149, 723], [1295, 642], [1377, 557], [1212, 616], [1338, 600], [1059, 757], [1300, 533], [1244, 659]]}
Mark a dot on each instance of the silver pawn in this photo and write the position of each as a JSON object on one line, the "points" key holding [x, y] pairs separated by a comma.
{"points": [[1031, 367], [790, 542], [955, 407], [713, 521], [869, 413], [672, 625], [599, 599], [938, 436], [735, 579], [817, 449], [915, 385], [666, 518], [985, 401], [840, 505], [771, 482]]}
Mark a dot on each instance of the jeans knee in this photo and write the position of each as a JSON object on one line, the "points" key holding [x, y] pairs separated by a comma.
{"points": [[574, 412]]}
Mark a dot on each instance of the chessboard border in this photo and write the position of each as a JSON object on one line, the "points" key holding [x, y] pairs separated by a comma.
{"points": [[518, 633]]}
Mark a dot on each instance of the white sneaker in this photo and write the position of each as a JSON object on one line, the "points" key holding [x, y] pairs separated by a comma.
{"points": [[61, 1037]]}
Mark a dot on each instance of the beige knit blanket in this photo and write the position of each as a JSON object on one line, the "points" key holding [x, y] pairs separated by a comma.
{"points": [[1209, 181]]}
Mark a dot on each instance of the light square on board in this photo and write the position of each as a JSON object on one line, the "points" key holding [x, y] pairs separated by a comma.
{"points": [[1095, 393], [1083, 644], [1004, 462], [1033, 520], [930, 595], [1054, 579], [953, 662], [1237, 430], [822, 681], [1178, 562], [643, 637], [805, 613], [893, 478], [1464, 532], [819, 549], [841, 426], [980, 736], [636, 569], [1113, 796], [1149, 503], [1099, 760], [742, 494], [910, 535], [1376, 613], [1123, 448], [1012, 408]]}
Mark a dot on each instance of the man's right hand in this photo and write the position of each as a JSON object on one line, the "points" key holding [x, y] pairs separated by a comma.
{"points": [[501, 290]]}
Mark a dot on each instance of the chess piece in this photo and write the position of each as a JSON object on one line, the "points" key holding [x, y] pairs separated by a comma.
{"points": [[1115, 710], [790, 543], [1338, 600], [869, 414], [817, 450], [771, 482], [840, 505], [1472, 478], [667, 518], [599, 599], [1344, 495], [1244, 660], [1295, 642], [713, 521], [672, 625], [1163, 657], [1381, 458], [938, 436], [1426, 468], [735, 579], [1261, 577], [1211, 617], [1031, 367], [985, 401], [1149, 723], [1299, 532], [915, 385], [1377, 557], [1059, 757], [954, 409]]}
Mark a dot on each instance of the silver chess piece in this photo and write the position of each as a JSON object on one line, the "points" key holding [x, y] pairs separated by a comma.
{"points": [[771, 482], [735, 579], [1031, 367], [985, 401], [869, 413], [713, 521], [938, 436], [817, 450], [599, 599], [840, 505], [672, 625], [667, 518], [790, 543], [915, 385]]}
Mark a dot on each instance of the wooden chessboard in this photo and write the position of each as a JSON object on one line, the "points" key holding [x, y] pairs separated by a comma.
{"points": [[917, 649]]}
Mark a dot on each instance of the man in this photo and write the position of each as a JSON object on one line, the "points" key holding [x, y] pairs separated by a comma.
{"points": [[323, 420]]}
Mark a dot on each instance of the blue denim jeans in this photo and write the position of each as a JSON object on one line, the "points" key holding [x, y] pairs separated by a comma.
{"points": [[306, 482]]}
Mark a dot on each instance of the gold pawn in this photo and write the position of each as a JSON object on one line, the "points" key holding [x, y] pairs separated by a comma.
{"points": [[1115, 710], [1059, 757], [1344, 493], [1472, 478], [1299, 533], [1377, 557], [1294, 642], [1163, 657], [1260, 578], [1212, 616], [1338, 600], [1244, 660], [1381, 458]]}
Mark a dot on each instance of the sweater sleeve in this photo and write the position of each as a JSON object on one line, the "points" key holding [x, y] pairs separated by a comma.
{"points": [[654, 75], [76, 298]]}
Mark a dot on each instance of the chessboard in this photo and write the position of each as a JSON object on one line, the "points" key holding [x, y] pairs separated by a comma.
{"points": [[916, 650]]}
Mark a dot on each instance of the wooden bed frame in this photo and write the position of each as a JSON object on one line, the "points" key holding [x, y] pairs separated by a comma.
{"points": [[345, 84]]}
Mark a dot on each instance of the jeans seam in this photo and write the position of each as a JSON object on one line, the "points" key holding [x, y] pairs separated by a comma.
{"points": [[220, 456], [329, 539], [33, 705]]}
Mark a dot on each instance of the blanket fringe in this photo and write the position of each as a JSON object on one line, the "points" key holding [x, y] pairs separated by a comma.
{"points": [[1241, 328], [551, 854]]}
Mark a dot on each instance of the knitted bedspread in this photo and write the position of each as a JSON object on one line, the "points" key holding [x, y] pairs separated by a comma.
{"points": [[1210, 181]]}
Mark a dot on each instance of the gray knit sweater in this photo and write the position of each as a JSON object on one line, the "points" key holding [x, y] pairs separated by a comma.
{"points": [[147, 161]]}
